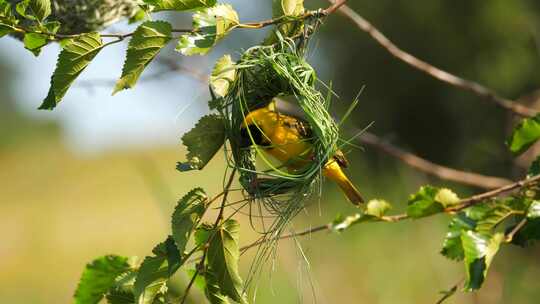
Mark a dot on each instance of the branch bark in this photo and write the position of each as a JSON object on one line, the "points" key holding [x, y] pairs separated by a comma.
{"points": [[428, 167], [446, 77]]}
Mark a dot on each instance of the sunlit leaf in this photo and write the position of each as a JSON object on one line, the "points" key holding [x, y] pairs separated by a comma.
{"points": [[139, 15], [22, 8], [377, 208], [179, 5], [526, 133], [210, 25], [155, 271], [203, 142], [98, 277], [423, 203], [73, 59], [452, 245], [149, 38], [186, 216], [223, 254], [446, 197], [286, 8], [534, 210], [223, 75], [34, 42], [479, 252], [41, 8]]}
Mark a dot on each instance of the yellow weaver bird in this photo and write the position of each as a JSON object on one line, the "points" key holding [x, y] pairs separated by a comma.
{"points": [[282, 133]]}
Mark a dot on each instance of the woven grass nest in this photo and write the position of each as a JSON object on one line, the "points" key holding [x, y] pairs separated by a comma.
{"points": [[264, 73]]}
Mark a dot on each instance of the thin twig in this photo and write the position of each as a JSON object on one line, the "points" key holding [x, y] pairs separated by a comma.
{"points": [[465, 203], [431, 70], [462, 204], [200, 265], [511, 234], [442, 172], [287, 236], [250, 25]]}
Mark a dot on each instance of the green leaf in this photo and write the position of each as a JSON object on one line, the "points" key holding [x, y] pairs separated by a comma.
{"points": [[41, 8], [186, 216], [286, 8], [5, 29], [452, 245], [479, 252], [34, 42], [498, 211], [149, 38], [534, 210], [34, 9], [223, 254], [22, 9], [534, 169], [52, 27], [446, 197], [212, 289], [140, 15], [203, 142], [120, 297], [526, 133], [179, 5], [202, 234], [377, 208], [210, 25], [98, 277], [73, 59], [223, 74], [423, 203], [155, 271]]}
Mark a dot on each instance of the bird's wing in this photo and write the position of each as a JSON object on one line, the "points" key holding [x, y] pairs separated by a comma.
{"points": [[340, 158]]}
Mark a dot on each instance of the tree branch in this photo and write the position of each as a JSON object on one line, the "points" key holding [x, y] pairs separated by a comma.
{"points": [[423, 165], [462, 204], [431, 70], [250, 25], [219, 218]]}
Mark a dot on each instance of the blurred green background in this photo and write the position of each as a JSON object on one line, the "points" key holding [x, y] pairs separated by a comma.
{"points": [[61, 206]]}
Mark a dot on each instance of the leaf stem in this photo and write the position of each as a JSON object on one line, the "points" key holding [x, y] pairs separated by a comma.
{"points": [[219, 218], [510, 236]]}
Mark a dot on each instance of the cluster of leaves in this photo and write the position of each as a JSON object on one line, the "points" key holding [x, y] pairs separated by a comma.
{"points": [[38, 29], [476, 232], [211, 23], [122, 280]]}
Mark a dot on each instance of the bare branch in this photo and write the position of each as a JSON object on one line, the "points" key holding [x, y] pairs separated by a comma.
{"points": [[431, 70], [421, 164]]}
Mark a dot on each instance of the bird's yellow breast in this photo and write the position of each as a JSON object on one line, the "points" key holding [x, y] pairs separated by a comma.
{"points": [[285, 141]]}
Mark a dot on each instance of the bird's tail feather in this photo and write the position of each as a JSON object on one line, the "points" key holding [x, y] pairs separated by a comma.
{"points": [[350, 191]]}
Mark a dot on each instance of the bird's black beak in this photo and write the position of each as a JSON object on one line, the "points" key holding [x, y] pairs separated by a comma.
{"points": [[250, 135]]}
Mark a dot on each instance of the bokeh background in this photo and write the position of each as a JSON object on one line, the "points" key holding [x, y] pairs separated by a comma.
{"points": [[96, 176]]}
